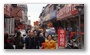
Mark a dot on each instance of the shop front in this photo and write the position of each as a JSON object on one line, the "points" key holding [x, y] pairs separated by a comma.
{"points": [[7, 20], [68, 19], [16, 13]]}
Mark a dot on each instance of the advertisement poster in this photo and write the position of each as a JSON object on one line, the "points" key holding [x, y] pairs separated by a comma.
{"points": [[61, 37]]}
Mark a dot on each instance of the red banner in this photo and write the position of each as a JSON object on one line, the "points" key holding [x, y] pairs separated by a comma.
{"points": [[61, 37]]}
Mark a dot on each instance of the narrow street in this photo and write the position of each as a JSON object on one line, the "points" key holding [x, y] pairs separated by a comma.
{"points": [[43, 26]]}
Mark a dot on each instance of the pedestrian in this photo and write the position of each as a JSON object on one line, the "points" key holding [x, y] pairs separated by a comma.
{"points": [[28, 29], [41, 40], [38, 33], [19, 42], [31, 41], [26, 42], [7, 45], [49, 43], [35, 32], [69, 29]]}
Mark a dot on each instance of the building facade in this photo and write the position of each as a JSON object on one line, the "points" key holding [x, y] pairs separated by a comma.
{"points": [[15, 17], [64, 16], [8, 20]]}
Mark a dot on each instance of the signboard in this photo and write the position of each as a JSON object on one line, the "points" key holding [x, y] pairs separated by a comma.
{"points": [[61, 37], [22, 27], [53, 14], [47, 17], [16, 12], [66, 11], [50, 30], [51, 8], [7, 9]]}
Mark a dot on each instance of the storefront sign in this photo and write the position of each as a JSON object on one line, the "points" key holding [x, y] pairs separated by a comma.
{"points": [[7, 9], [50, 31], [53, 14], [51, 8], [22, 27], [47, 17], [61, 37], [16, 12], [66, 11]]}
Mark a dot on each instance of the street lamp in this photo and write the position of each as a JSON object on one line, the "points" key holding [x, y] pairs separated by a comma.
{"points": [[79, 8]]}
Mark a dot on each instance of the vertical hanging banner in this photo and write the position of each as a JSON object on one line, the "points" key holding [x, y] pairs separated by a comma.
{"points": [[61, 37]]}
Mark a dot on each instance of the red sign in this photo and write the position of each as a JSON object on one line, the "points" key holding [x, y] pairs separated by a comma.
{"points": [[7, 9], [16, 12], [22, 26], [66, 11], [61, 37]]}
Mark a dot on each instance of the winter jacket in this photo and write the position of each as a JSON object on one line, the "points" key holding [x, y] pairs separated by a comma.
{"points": [[50, 44], [32, 43], [41, 40], [7, 45], [19, 42]]}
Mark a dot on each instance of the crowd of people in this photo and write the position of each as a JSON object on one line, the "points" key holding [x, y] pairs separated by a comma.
{"points": [[33, 40]]}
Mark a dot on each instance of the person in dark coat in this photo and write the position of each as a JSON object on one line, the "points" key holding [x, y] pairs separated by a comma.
{"points": [[31, 41], [41, 39], [19, 42], [7, 45], [26, 42]]}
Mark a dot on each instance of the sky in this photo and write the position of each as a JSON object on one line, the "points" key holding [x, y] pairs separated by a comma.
{"points": [[34, 11]]}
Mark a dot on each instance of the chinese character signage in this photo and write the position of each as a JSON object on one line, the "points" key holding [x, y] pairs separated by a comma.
{"points": [[66, 11], [7, 9], [43, 26], [61, 37]]}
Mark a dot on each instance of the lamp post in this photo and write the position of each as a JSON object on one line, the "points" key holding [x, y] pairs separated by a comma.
{"points": [[79, 8]]}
